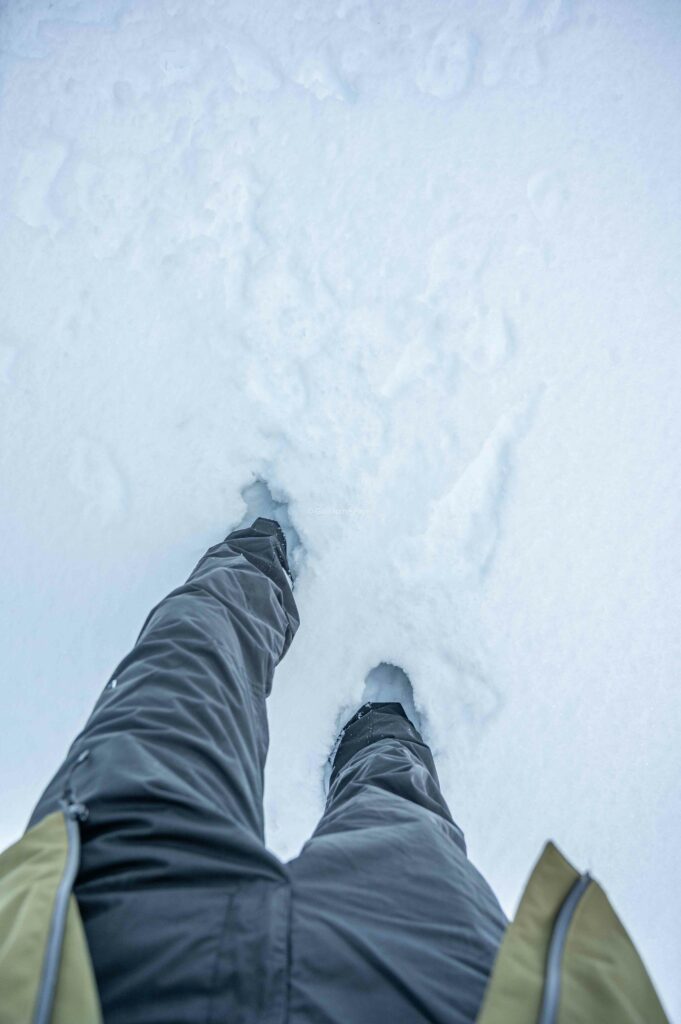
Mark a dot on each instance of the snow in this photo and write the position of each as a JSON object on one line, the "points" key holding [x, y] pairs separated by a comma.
{"points": [[416, 266]]}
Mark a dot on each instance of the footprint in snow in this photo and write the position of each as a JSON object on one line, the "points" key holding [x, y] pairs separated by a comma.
{"points": [[448, 66], [260, 501]]}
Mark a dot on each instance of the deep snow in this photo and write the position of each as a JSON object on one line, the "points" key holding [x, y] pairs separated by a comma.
{"points": [[416, 265]]}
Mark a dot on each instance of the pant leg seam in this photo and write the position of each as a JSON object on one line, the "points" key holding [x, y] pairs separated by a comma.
{"points": [[213, 992]]}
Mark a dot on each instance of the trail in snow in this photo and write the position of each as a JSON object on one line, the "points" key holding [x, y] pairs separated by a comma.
{"points": [[415, 267]]}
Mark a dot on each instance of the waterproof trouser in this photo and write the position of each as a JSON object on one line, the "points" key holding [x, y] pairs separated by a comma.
{"points": [[190, 919]]}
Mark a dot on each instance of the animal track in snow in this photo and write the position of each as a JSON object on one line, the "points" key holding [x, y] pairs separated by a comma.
{"points": [[32, 195], [253, 70], [448, 66], [537, 16], [546, 194], [515, 50], [458, 257], [107, 194], [488, 341], [94, 475], [520, 61], [318, 75]]}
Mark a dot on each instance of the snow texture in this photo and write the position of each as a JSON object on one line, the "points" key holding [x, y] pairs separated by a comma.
{"points": [[416, 265]]}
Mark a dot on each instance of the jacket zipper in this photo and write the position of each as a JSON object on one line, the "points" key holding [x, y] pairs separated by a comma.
{"points": [[74, 813], [548, 1013]]}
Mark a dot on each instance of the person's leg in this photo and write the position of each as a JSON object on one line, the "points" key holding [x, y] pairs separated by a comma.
{"points": [[174, 870], [391, 921]]}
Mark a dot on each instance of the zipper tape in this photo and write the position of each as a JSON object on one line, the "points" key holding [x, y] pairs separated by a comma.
{"points": [[73, 813], [548, 1013]]}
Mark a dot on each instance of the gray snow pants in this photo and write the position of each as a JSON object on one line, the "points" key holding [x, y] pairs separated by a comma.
{"points": [[190, 919]]}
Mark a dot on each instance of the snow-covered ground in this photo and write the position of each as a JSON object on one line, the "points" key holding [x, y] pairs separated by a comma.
{"points": [[416, 264]]}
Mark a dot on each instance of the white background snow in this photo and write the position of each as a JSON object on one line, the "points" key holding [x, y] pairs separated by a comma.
{"points": [[417, 264]]}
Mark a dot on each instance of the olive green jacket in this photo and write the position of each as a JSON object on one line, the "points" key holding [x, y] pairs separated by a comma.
{"points": [[566, 959], [46, 975]]}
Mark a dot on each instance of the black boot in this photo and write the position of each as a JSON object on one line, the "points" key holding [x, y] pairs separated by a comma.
{"points": [[269, 527]]}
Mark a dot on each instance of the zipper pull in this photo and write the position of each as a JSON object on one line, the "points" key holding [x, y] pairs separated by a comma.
{"points": [[77, 811], [74, 809]]}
